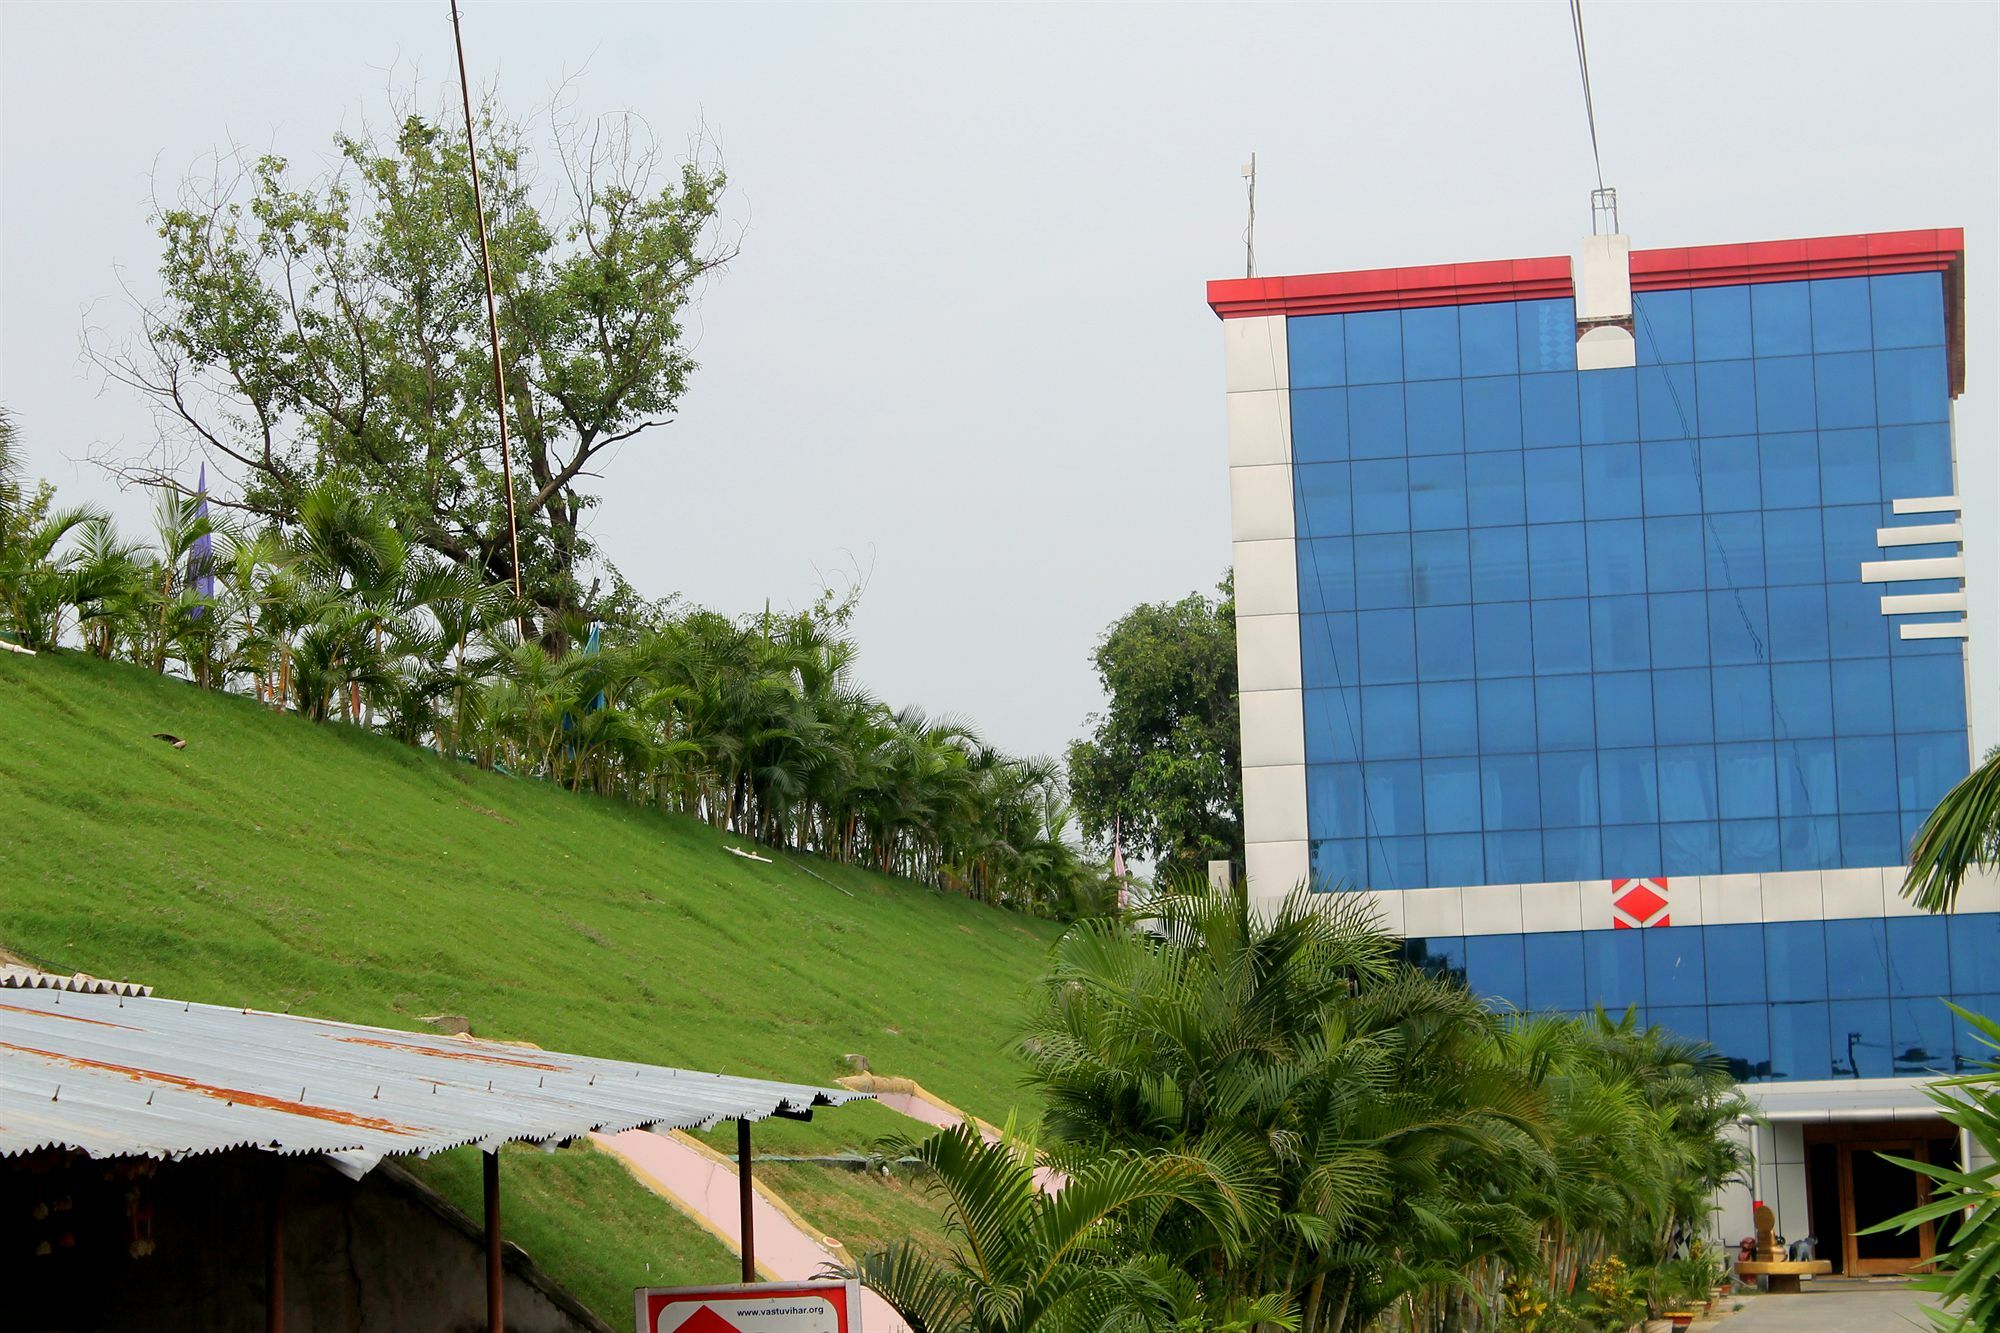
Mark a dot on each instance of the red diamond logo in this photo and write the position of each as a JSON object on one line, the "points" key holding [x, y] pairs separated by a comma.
{"points": [[1638, 903]]}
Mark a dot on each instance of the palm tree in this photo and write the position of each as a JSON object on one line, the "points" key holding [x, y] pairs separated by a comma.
{"points": [[1963, 832]]}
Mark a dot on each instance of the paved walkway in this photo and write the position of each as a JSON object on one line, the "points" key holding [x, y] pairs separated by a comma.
{"points": [[1827, 1307]]}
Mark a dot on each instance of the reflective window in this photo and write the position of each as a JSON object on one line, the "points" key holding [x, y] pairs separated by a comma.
{"points": [[1434, 417], [1374, 347], [1317, 349], [1430, 343], [1319, 425], [1376, 424]]}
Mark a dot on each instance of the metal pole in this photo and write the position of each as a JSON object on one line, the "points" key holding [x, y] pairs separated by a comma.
{"points": [[744, 1194], [274, 1252], [492, 312], [495, 1319]]}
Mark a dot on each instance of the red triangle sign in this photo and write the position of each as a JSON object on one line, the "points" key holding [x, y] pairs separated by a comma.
{"points": [[705, 1320]]}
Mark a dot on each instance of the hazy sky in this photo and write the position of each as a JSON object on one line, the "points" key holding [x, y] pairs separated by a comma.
{"points": [[965, 346]]}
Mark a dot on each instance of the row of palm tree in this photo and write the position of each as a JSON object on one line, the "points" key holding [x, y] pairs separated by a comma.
{"points": [[757, 725], [1275, 1121]]}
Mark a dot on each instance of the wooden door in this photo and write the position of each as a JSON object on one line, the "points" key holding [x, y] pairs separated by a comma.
{"points": [[1872, 1191]]}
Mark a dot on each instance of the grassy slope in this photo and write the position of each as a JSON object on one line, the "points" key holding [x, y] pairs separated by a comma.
{"points": [[278, 864]]}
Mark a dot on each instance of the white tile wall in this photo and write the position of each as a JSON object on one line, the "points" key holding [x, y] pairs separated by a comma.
{"points": [[1274, 728], [1260, 502], [1594, 904], [1684, 904], [1980, 892], [1260, 427], [1274, 869], [1388, 910], [1267, 653], [1893, 901], [1787, 1181], [1492, 909], [1731, 899], [1433, 912], [1552, 906], [1267, 578], [1274, 804], [1791, 895], [1254, 353], [1850, 893]]}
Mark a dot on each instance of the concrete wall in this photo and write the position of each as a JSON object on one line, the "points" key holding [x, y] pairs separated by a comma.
{"points": [[378, 1254]]}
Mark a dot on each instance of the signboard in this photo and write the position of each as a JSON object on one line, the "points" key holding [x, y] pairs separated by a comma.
{"points": [[765, 1307]]}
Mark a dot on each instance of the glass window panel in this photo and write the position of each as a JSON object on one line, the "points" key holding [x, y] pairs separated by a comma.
{"points": [[1675, 559], [1624, 709], [1376, 426], [1333, 725], [1737, 626], [1916, 460], [1502, 638], [1396, 863], [1440, 956], [1741, 1034], [1554, 962], [1794, 547], [1492, 414], [1806, 778], [1691, 849], [1908, 310], [1549, 410], [1555, 560], [1614, 968], [1494, 491], [1333, 800], [1487, 339], [1437, 492], [1795, 959], [1319, 425], [1631, 849], [1861, 697], [1555, 485], [1499, 564], [1569, 789], [1450, 717], [1664, 322], [1790, 464], [1798, 622], [1572, 854], [1867, 772], [1515, 857], [1381, 495], [1780, 318], [1726, 398], [1928, 764], [1628, 786], [1455, 858], [1840, 318], [1871, 840], [1683, 711], [1338, 864], [1451, 799], [1687, 783], [1721, 323], [1440, 568], [1850, 467], [1666, 403], [1687, 1021], [1844, 390], [1855, 624], [1800, 1045], [1608, 406], [1389, 722], [1395, 795], [1910, 386], [1326, 574], [1921, 1033], [1786, 399], [1435, 417], [1743, 703], [1444, 643], [1919, 962], [1548, 335], [1749, 846], [1679, 628], [1327, 649], [1861, 1038], [1506, 716], [1857, 959], [1974, 940], [1381, 571], [1972, 1049], [1322, 500], [1808, 844], [1374, 347], [1735, 962], [1747, 781], [1388, 647], [1430, 343], [1672, 481], [1317, 348], [1618, 633], [1611, 485], [1564, 719], [1617, 556], [1729, 474], [1562, 636], [1512, 797], [1735, 550]]}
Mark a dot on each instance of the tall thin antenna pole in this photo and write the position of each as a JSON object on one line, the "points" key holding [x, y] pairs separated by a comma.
{"points": [[492, 310], [1250, 232]]}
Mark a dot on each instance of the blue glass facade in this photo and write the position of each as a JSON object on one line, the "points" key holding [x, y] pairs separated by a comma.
{"points": [[1576, 626]]}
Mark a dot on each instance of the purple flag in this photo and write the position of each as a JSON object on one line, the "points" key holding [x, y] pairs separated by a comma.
{"points": [[201, 555]]}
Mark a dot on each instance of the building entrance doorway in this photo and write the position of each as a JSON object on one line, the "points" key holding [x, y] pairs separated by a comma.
{"points": [[1851, 1188]]}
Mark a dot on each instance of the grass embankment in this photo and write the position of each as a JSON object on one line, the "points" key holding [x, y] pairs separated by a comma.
{"points": [[280, 864]]}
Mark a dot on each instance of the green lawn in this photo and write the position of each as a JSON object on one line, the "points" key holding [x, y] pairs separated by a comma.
{"points": [[285, 865], [864, 1210]]}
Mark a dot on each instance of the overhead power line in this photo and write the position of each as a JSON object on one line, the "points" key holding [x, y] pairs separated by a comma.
{"points": [[1583, 71]]}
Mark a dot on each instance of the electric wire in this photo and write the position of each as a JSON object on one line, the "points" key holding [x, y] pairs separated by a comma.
{"points": [[1583, 72]]}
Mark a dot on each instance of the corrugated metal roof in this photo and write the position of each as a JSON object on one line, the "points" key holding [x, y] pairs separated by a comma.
{"points": [[118, 1076], [15, 977]]}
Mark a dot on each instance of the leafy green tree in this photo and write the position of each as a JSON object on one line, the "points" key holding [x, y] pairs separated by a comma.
{"points": [[1960, 835], [1164, 760]]}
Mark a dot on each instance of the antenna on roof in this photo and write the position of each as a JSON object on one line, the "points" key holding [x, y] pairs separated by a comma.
{"points": [[1250, 231], [1604, 211]]}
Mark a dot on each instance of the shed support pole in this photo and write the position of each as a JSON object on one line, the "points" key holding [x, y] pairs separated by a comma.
{"points": [[744, 1194], [274, 1252], [496, 1320]]}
